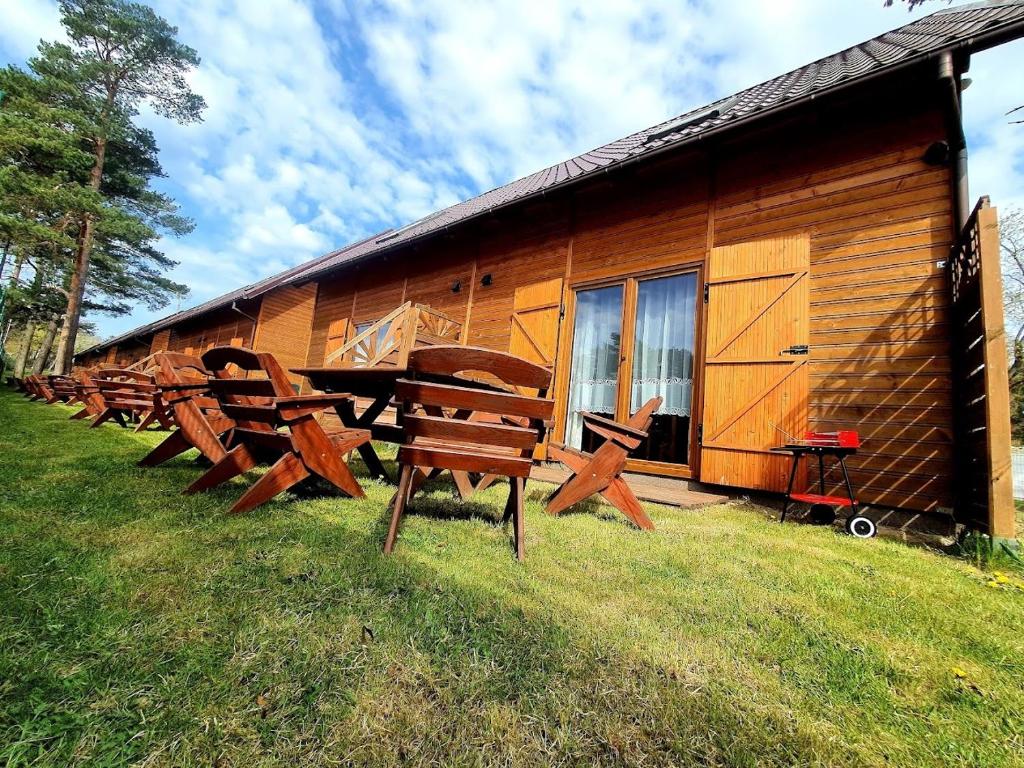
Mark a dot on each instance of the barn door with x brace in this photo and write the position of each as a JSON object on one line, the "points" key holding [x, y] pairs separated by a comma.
{"points": [[536, 314], [756, 372]]}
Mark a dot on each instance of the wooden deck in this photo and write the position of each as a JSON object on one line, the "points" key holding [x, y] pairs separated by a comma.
{"points": [[661, 490]]}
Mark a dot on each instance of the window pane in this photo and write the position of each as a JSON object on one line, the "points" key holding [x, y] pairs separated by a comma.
{"points": [[663, 363], [596, 342]]}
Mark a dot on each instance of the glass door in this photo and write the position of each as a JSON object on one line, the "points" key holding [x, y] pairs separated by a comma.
{"points": [[664, 331], [634, 340], [596, 350]]}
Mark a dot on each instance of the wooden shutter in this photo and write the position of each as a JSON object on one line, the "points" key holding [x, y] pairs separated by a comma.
{"points": [[337, 335], [536, 313], [755, 393]]}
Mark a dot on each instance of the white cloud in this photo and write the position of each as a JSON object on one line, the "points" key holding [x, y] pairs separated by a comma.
{"points": [[23, 24]]}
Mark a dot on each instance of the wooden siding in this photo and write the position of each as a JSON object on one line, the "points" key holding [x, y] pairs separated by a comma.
{"points": [[285, 322], [220, 328], [161, 341], [878, 219], [880, 352]]}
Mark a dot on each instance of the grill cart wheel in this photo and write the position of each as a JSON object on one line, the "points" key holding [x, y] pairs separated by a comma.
{"points": [[822, 514], [860, 527]]}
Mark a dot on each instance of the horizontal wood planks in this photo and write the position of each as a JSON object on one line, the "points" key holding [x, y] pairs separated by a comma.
{"points": [[880, 223], [285, 323], [215, 329]]}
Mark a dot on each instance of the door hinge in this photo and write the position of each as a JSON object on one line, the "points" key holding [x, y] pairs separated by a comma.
{"points": [[700, 434], [707, 292]]}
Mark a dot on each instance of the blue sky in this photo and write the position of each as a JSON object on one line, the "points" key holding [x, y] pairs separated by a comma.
{"points": [[331, 120]]}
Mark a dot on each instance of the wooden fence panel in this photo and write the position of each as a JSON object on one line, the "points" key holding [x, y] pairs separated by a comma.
{"points": [[983, 484]]}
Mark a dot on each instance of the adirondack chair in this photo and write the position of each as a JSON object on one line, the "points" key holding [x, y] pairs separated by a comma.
{"points": [[184, 387], [601, 471], [439, 434], [130, 396], [268, 415]]}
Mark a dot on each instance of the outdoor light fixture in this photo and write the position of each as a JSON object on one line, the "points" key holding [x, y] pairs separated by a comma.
{"points": [[486, 279]]}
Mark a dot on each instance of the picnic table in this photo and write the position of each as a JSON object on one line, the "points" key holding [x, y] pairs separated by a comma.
{"points": [[375, 383]]}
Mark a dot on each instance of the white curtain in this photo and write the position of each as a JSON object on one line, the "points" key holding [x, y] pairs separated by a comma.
{"points": [[664, 344], [595, 357]]}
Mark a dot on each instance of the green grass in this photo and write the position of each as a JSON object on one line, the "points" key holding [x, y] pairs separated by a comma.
{"points": [[142, 627]]}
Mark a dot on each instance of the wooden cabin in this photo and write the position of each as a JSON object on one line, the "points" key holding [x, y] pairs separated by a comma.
{"points": [[780, 261]]}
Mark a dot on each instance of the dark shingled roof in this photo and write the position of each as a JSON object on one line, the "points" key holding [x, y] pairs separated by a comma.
{"points": [[971, 27]]}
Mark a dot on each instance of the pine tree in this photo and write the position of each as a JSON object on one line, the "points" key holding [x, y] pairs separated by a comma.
{"points": [[121, 55]]}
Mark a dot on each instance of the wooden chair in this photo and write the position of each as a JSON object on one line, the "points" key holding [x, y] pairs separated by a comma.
{"points": [[130, 396], [268, 415], [87, 393], [184, 387], [600, 471], [442, 436]]}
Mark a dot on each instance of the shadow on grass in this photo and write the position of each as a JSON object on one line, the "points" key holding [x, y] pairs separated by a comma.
{"points": [[140, 625]]}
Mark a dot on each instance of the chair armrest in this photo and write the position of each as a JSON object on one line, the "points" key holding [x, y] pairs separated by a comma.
{"points": [[295, 407], [612, 426]]}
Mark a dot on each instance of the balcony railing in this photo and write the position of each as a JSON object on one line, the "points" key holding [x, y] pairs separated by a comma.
{"points": [[389, 341]]}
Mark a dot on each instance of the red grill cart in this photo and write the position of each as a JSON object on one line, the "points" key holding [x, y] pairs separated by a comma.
{"points": [[822, 506]]}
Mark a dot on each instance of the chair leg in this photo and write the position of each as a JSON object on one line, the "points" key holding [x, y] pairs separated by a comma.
{"points": [[173, 445], [288, 471], [463, 484], [146, 421], [105, 415], [515, 508], [622, 498], [401, 499], [486, 482], [237, 461]]}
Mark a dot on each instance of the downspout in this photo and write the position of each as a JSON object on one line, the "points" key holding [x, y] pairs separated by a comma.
{"points": [[234, 306], [949, 78]]}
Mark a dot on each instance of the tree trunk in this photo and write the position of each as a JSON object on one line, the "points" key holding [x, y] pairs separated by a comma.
{"points": [[26, 346], [80, 273], [44, 349]]}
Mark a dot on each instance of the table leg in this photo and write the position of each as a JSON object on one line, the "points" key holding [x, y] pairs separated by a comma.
{"points": [[849, 486], [347, 413], [789, 488]]}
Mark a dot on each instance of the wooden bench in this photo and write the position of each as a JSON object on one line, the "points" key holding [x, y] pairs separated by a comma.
{"points": [[130, 396]]}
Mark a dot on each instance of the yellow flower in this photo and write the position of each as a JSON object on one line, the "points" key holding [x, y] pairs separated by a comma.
{"points": [[1000, 578], [992, 584], [959, 673]]}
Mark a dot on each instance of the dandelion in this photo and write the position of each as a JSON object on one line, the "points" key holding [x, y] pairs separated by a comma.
{"points": [[959, 673]]}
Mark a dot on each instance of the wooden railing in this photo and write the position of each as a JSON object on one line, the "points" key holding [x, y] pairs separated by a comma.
{"points": [[389, 340], [982, 481]]}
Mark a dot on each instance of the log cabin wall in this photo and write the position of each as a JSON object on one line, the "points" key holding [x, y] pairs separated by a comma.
{"points": [[285, 322], [130, 352], [217, 328], [161, 341], [853, 178], [880, 225]]}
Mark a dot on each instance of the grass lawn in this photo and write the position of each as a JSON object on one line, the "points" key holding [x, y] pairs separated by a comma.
{"points": [[142, 627]]}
